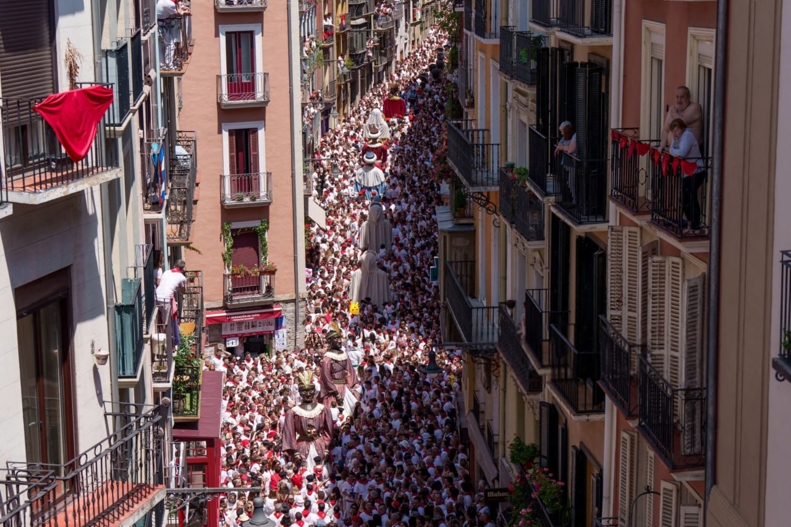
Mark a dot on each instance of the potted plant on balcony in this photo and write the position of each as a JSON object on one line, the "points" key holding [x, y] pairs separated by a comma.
{"points": [[252, 196], [469, 99], [522, 174], [548, 491], [239, 196], [268, 268], [349, 63], [459, 201], [523, 454], [186, 387]]}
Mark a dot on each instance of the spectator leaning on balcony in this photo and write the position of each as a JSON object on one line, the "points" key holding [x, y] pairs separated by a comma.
{"points": [[568, 144], [171, 281], [686, 110], [685, 146], [168, 14]]}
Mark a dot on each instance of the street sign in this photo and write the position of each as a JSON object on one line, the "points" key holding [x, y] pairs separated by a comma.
{"points": [[497, 495]]}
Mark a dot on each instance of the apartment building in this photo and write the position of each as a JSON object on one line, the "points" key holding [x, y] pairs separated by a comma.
{"points": [[235, 95], [89, 357]]}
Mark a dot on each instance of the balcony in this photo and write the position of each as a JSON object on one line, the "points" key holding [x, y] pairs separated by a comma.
{"points": [[507, 49], [357, 41], [119, 478], [175, 45], [619, 367], [246, 190], [521, 207], [507, 195], [154, 154], [186, 392], [585, 18], [672, 419], [115, 66], [630, 169], [306, 5], [384, 23], [383, 57], [248, 287], [183, 171], [129, 328], [510, 345], [576, 370], [544, 12], [525, 58], [330, 91], [679, 192], [361, 8], [583, 188], [191, 311], [243, 90], [239, 6], [483, 26], [161, 347], [475, 160], [468, 15], [540, 164], [537, 320], [782, 363], [37, 169], [476, 323], [398, 11]]}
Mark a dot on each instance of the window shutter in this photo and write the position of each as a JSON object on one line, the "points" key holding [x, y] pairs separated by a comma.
{"points": [[563, 455], [631, 286], [549, 436], [254, 168], [690, 516], [674, 322], [626, 475], [649, 481], [692, 433], [232, 152], [615, 267], [579, 494], [668, 496], [657, 312], [646, 252]]}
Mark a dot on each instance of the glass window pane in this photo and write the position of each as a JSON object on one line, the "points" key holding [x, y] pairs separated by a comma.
{"points": [[30, 401], [51, 358]]}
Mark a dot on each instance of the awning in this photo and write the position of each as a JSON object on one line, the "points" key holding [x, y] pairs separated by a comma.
{"points": [[482, 454], [222, 316], [249, 322]]}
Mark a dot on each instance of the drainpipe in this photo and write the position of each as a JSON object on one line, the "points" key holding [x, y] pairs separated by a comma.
{"points": [[298, 197], [716, 226]]}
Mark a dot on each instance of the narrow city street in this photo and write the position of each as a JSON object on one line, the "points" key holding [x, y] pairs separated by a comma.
{"points": [[384, 449]]}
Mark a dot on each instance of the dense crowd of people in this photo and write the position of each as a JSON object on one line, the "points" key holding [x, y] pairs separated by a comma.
{"points": [[395, 458]]}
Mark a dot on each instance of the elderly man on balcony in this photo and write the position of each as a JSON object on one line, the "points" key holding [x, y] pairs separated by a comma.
{"points": [[686, 110], [169, 12], [172, 281]]}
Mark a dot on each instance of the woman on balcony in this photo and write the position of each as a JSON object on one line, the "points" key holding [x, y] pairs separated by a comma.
{"points": [[685, 146]]}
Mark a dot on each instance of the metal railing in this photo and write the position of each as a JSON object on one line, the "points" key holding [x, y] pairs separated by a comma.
{"points": [[398, 11], [629, 180], [477, 324], [191, 307], [305, 5], [241, 5], [144, 258], [183, 170], [537, 318], [528, 214], [330, 91], [155, 160], [106, 482], [525, 57], [241, 88], [161, 347], [248, 288], [138, 65], [576, 371], [361, 9], [357, 40], [510, 346], [239, 189], [544, 12], [507, 195], [186, 391], [619, 367], [583, 188], [477, 162], [782, 363], [175, 43], [34, 159], [539, 163], [115, 65], [507, 46], [679, 192], [482, 25], [130, 327], [673, 419], [572, 17], [384, 22], [148, 11]]}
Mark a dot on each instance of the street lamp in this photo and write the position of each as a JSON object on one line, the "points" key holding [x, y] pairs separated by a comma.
{"points": [[432, 369], [259, 518]]}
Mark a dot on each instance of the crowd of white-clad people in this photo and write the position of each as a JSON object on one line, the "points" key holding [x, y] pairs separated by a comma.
{"points": [[397, 460]]}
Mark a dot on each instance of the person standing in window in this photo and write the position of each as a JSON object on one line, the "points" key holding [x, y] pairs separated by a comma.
{"points": [[686, 110], [685, 146], [568, 145]]}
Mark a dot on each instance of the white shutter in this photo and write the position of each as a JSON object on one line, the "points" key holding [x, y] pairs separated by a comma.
{"points": [[674, 323], [692, 407], [668, 497], [657, 312], [690, 516], [631, 284], [615, 274], [649, 481], [626, 475], [646, 252]]}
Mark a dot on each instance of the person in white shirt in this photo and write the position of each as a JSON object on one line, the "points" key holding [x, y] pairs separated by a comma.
{"points": [[172, 280]]}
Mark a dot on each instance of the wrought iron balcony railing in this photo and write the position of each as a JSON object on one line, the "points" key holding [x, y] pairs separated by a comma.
{"points": [[107, 481], [330, 91], [507, 48], [175, 44], [528, 214], [619, 367], [162, 346], [510, 345], [483, 26], [537, 320], [630, 179], [186, 392], [679, 192], [576, 371], [541, 163], [139, 66], [507, 195], [115, 63], [583, 188], [34, 159], [246, 190], [474, 158], [361, 9], [525, 57], [358, 41], [585, 18], [672, 419], [240, 6], [243, 89], [544, 12], [306, 5], [183, 171], [384, 22], [477, 324], [782, 363], [250, 287]]}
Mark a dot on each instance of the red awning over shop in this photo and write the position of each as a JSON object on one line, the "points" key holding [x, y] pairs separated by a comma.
{"points": [[222, 317]]}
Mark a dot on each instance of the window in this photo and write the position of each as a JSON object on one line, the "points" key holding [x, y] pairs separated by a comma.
{"points": [[241, 57], [243, 148], [655, 97], [700, 78], [653, 107], [627, 478], [45, 378]]}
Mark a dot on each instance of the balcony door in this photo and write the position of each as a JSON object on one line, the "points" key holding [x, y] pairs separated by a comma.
{"points": [[240, 65], [45, 375], [243, 161], [246, 254]]}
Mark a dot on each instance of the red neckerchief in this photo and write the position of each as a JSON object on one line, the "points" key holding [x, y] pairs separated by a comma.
{"points": [[176, 270]]}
